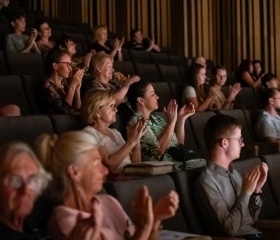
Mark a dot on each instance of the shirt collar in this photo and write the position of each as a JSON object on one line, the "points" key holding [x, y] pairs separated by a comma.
{"points": [[218, 169]]}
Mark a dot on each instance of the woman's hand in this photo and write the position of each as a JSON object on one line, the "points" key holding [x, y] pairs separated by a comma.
{"points": [[166, 206], [121, 43], [76, 79], [233, 91], [87, 59], [213, 91], [136, 130], [116, 43], [171, 111], [130, 80], [186, 111]]}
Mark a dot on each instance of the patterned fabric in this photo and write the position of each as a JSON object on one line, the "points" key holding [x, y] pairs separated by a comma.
{"points": [[44, 48], [16, 43], [140, 46], [28, 233], [268, 126], [150, 145], [52, 99]]}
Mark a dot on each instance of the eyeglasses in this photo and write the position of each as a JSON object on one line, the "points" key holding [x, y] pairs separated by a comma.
{"points": [[276, 98], [68, 64], [240, 140], [15, 181], [111, 105]]}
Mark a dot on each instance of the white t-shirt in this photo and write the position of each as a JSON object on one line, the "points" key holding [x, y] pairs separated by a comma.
{"points": [[189, 92], [111, 146]]}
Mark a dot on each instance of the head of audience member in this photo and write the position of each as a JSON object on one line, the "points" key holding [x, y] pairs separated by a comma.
{"points": [[219, 76], [102, 67], [75, 161], [257, 68], [58, 63], [98, 107], [22, 179], [136, 35], [17, 21], [245, 65], [270, 81], [4, 3], [142, 97], [270, 99], [197, 75], [100, 33], [223, 132], [199, 60], [67, 44], [43, 28]]}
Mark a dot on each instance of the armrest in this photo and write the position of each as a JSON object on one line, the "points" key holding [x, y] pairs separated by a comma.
{"points": [[227, 238], [249, 151], [268, 224], [268, 147]]}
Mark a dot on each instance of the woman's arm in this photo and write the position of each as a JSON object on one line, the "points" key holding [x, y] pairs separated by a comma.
{"points": [[75, 81], [250, 81], [234, 90]]}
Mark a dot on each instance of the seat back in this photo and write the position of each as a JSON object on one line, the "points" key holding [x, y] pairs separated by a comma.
{"points": [[126, 68], [170, 74], [273, 164], [3, 69], [246, 99], [140, 56], [159, 58], [177, 60], [147, 72], [158, 185], [268, 210], [12, 92]]}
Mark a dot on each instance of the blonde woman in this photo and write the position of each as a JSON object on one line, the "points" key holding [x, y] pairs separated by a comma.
{"points": [[75, 160], [101, 43], [99, 112]]}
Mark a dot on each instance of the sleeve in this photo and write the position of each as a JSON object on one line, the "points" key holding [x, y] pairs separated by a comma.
{"points": [[54, 100], [214, 207], [255, 205], [10, 46], [266, 128], [189, 92]]}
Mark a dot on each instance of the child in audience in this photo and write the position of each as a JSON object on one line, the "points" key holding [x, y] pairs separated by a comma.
{"points": [[219, 78], [101, 43], [75, 160], [59, 96], [245, 75], [138, 42], [44, 33], [18, 42], [195, 92]]}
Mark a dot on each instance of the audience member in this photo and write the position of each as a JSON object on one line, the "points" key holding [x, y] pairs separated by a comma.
{"points": [[75, 160], [195, 92], [245, 75], [268, 124], [219, 74], [59, 96], [4, 3], [22, 180], [270, 81], [229, 204], [45, 44], [138, 42], [101, 43], [159, 135], [99, 112], [10, 110], [199, 60], [257, 69], [17, 41]]}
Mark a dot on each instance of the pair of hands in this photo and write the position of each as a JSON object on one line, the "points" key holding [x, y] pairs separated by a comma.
{"points": [[233, 91], [117, 44], [136, 130], [76, 79], [173, 114], [254, 180], [88, 57]]}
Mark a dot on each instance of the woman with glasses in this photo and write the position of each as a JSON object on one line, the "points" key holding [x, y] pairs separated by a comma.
{"points": [[58, 95], [22, 179], [76, 161], [99, 112]]}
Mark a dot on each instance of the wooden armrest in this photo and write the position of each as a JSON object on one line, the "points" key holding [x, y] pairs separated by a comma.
{"points": [[268, 224]]}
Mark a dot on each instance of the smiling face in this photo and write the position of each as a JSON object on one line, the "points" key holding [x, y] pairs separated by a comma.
{"points": [[63, 67], [19, 25], [107, 70], [45, 30], [107, 113], [17, 199]]}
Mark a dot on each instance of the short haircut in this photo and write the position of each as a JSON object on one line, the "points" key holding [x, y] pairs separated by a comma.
{"points": [[98, 61], [268, 77], [218, 127], [97, 30], [266, 94], [15, 14], [92, 102], [132, 33], [54, 56], [38, 24]]}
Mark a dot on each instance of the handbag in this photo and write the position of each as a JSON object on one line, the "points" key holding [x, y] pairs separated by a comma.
{"points": [[181, 154]]}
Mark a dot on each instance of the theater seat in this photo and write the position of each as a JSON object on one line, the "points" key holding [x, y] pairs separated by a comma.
{"points": [[147, 72], [3, 69]]}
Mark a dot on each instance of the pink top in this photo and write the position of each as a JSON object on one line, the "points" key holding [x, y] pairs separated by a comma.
{"points": [[116, 224]]}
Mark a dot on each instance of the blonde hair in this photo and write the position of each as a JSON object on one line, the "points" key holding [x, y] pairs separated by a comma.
{"points": [[98, 29], [91, 103], [98, 61], [58, 153], [8, 154]]}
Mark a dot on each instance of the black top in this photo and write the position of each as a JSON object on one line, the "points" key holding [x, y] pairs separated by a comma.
{"points": [[140, 46], [29, 233]]}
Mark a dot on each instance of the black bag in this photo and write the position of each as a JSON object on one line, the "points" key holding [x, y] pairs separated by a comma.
{"points": [[180, 153]]}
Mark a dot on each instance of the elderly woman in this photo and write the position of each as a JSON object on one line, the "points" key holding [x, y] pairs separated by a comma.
{"points": [[219, 79], [101, 43], [159, 135], [59, 96], [75, 160], [22, 180], [99, 112]]}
